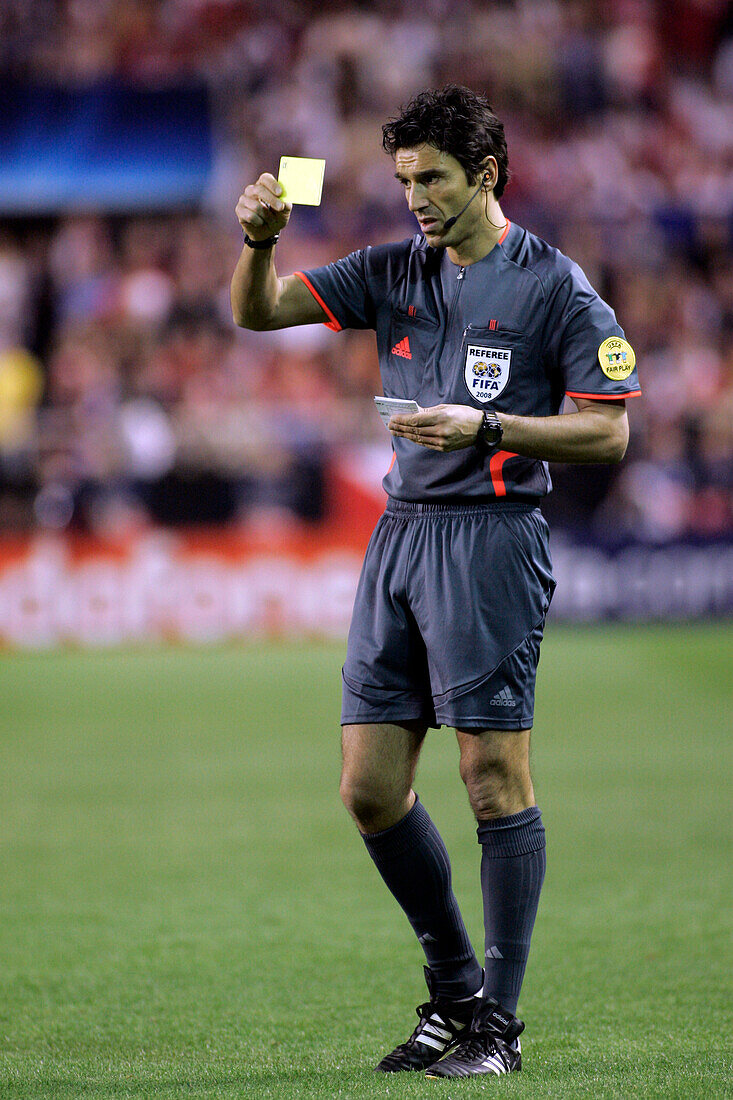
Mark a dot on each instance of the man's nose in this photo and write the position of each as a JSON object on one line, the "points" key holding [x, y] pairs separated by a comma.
{"points": [[416, 198]]}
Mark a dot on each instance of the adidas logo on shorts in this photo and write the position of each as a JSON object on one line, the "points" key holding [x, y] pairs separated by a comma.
{"points": [[402, 347], [503, 698]]}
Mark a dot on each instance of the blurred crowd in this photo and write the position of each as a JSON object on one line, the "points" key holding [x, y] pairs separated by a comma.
{"points": [[127, 396]]}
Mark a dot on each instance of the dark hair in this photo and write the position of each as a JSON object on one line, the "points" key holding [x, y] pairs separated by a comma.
{"points": [[457, 121]]}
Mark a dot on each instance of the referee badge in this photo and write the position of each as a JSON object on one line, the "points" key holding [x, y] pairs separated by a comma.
{"points": [[486, 371]]}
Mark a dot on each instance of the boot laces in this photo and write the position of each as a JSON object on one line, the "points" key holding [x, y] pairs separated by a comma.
{"points": [[479, 1044], [424, 1012]]}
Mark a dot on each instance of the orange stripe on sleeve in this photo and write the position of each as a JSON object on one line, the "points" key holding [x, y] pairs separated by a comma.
{"points": [[332, 323], [496, 463], [604, 396]]}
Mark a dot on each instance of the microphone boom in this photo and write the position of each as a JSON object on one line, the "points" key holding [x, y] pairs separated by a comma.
{"points": [[452, 221]]}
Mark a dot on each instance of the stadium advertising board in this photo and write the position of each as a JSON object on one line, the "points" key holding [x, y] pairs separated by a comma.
{"points": [[216, 586]]}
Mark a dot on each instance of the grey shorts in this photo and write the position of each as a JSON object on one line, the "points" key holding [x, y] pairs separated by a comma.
{"points": [[448, 617]]}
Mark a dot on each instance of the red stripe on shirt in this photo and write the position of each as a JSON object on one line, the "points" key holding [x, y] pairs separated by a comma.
{"points": [[507, 227], [495, 469], [333, 323], [605, 396]]}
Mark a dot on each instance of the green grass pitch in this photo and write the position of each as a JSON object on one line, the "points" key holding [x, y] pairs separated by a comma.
{"points": [[186, 910]]}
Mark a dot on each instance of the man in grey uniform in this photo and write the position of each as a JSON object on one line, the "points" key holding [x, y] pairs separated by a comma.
{"points": [[487, 328]]}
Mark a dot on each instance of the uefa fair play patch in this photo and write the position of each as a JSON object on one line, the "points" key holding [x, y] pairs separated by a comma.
{"points": [[617, 358]]}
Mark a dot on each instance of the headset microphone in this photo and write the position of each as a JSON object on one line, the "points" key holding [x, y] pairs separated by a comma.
{"points": [[452, 221]]}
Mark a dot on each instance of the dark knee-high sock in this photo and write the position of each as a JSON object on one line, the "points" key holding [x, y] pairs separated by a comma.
{"points": [[411, 858], [512, 872]]}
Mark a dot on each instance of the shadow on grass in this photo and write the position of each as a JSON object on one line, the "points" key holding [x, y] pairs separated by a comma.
{"points": [[303, 1083]]}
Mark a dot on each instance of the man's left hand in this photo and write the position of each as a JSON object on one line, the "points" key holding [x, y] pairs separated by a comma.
{"points": [[441, 428]]}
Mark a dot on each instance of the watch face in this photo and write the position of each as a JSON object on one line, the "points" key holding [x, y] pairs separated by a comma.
{"points": [[492, 429]]}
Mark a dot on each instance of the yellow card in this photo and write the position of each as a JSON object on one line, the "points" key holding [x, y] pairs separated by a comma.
{"points": [[301, 179]]}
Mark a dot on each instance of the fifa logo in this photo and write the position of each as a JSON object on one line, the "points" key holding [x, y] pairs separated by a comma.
{"points": [[489, 370]]}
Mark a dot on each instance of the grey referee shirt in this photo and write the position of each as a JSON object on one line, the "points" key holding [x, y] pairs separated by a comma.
{"points": [[520, 329]]}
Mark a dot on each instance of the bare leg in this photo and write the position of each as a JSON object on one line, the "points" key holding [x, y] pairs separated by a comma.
{"points": [[495, 768], [379, 764]]}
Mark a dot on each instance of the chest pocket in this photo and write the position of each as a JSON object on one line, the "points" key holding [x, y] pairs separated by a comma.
{"points": [[490, 360], [412, 343]]}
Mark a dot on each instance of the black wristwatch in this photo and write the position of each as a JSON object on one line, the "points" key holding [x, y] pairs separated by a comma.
{"points": [[490, 431], [269, 242]]}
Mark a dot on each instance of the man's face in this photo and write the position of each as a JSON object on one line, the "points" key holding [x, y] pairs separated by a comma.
{"points": [[436, 188]]}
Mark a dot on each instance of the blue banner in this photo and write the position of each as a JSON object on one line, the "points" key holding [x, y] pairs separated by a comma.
{"points": [[108, 146]]}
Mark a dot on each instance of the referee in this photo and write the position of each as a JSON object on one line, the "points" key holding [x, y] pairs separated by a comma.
{"points": [[487, 328]]}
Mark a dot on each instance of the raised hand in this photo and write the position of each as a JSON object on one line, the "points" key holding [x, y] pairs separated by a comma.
{"points": [[261, 211]]}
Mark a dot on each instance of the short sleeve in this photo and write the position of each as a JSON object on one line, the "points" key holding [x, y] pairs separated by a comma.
{"points": [[585, 345], [341, 289]]}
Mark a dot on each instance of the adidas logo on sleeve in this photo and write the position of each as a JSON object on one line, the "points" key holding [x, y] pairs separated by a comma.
{"points": [[503, 698]]}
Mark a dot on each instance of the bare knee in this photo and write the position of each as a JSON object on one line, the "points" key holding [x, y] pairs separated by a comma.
{"points": [[379, 763], [497, 778], [374, 806], [361, 798], [488, 789]]}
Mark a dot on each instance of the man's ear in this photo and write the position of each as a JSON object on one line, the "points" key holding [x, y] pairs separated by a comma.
{"points": [[489, 173]]}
